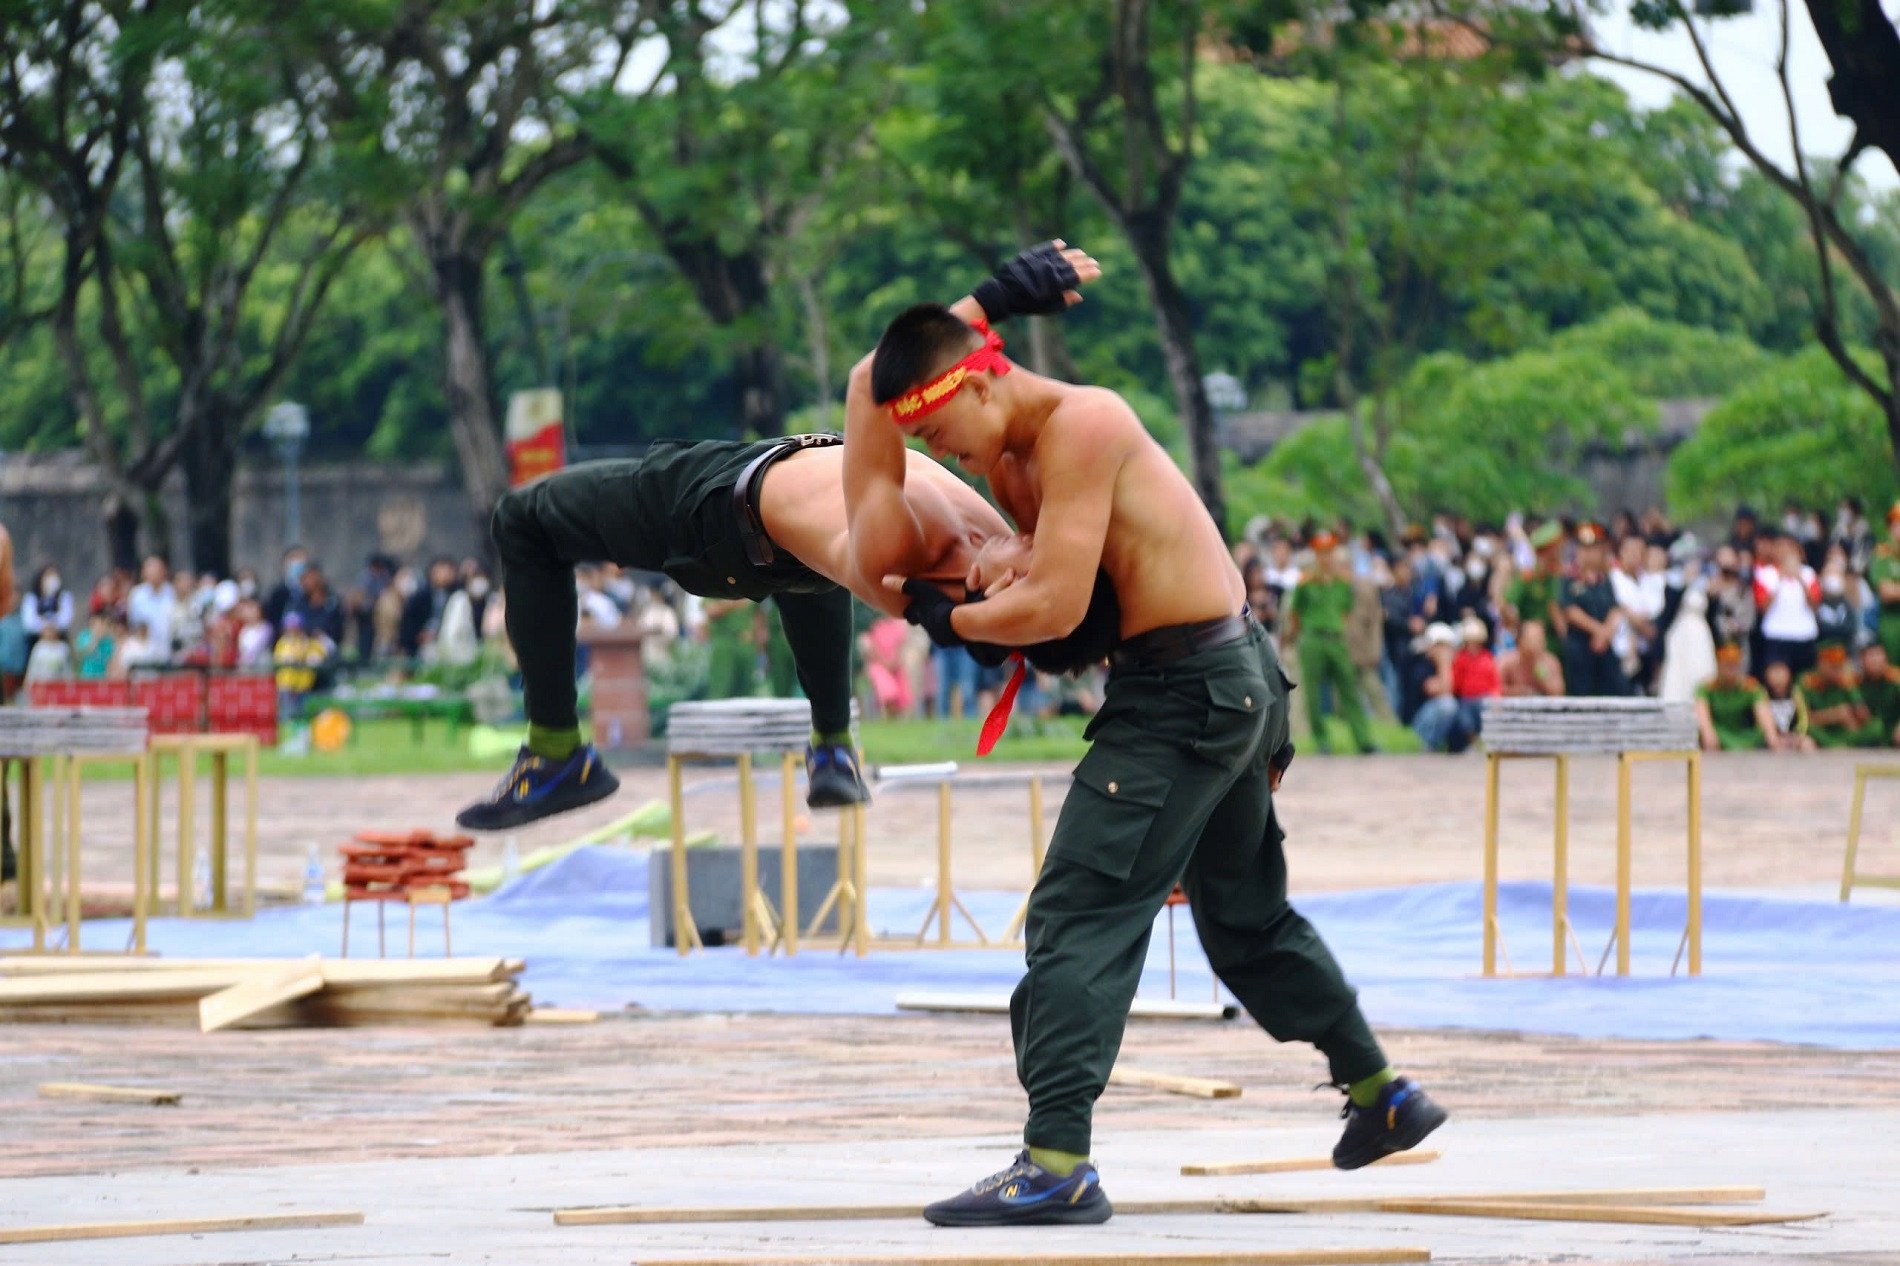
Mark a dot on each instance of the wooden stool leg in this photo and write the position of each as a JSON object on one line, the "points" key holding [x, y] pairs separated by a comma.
{"points": [[788, 860], [250, 825], [1695, 863], [220, 841], [1491, 764], [72, 854], [141, 881], [187, 831], [748, 858], [861, 873]]}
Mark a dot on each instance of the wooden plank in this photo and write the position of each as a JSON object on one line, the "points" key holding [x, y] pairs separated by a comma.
{"points": [[634, 1215], [266, 989], [1238, 1257], [1297, 1164], [1193, 1087], [560, 1015], [998, 1004], [338, 973], [96, 986], [174, 1226], [107, 1094], [1539, 1211]]}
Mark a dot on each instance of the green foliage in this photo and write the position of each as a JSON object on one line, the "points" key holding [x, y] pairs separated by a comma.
{"points": [[1665, 360], [1796, 431]]}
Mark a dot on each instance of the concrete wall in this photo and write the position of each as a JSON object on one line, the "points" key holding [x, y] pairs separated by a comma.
{"points": [[51, 505]]}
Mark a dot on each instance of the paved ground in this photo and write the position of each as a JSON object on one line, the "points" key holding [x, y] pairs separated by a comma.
{"points": [[457, 1143], [1354, 822]]}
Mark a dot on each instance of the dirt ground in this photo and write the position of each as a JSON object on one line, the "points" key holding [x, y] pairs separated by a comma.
{"points": [[1353, 822]]}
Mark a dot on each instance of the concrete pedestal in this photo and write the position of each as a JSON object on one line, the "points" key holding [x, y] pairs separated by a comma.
{"points": [[619, 715]]}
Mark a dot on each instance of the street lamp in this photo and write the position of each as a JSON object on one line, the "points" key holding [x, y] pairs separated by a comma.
{"points": [[1225, 395], [287, 426]]}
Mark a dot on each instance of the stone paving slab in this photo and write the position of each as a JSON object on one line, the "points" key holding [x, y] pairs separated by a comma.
{"points": [[498, 1209]]}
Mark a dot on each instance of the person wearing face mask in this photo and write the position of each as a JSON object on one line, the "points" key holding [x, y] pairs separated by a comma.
{"points": [[47, 602], [279, 600], [459, 639]]}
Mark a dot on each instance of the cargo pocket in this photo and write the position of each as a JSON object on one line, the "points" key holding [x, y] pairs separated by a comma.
{"points": [[1236, 707], [1111, 808]]}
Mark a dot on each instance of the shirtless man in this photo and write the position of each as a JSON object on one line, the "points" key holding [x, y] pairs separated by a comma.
{"points": [[723, 519], [1190, 741]]}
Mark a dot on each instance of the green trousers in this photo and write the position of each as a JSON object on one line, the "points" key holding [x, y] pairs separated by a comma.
{"points": [[1173, 790], [1889, 629], [1869, 734], [1323, 658], [1737, 740], [670, 511]]}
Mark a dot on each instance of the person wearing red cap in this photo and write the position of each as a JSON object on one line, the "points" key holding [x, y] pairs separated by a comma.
{"points": [[1191, 739], [1884, 574], [1837, 714], [1316, 614]]}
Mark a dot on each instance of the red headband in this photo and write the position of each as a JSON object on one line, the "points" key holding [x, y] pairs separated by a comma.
{"points": [[924, 400]]}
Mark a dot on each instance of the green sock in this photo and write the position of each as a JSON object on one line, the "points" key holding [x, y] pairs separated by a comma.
{"points": [[1061, 1164], [551, 744], [1366, 1093], [840, 739]]}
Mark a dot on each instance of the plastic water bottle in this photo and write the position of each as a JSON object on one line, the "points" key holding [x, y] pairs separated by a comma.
{"points": [[201, 879], [510, 861], [313, 889]]}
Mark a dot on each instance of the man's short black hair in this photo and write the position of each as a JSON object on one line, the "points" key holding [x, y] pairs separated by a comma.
{"points": [[923, 341]]}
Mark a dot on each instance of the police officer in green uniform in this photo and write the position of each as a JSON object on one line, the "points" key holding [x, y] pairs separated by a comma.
{"points": [[1316, 617], [1837, 714], [1884, 574], [1732, 707], [1880, 688], [1533, 594], [1177, 786]]}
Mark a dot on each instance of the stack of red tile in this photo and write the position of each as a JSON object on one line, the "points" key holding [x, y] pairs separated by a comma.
{"points": [[387, 865]]}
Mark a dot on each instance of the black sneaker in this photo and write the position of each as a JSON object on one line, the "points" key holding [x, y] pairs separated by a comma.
{"points": [[539, 788], [1398, 1122], [1026, 1194], [832, 778]]}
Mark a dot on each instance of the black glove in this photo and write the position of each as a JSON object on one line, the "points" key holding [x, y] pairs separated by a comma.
{"points": [[1032, 284], [930, 609]]}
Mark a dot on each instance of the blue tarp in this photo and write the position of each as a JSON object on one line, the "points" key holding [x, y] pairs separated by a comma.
{"points": [[1774, 969]]}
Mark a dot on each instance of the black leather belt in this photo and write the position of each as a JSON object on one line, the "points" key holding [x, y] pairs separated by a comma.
{"points": [[745, 493], [1157, 648]]}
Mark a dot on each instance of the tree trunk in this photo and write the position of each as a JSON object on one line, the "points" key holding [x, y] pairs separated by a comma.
{"points": [[210, 465], [472, 421], [1864, 51], [758, 375], [1176, 327], [121, 522]]}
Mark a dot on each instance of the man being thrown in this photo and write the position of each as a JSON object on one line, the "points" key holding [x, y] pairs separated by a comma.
{"points": [[724, 520], [1187, 748]]}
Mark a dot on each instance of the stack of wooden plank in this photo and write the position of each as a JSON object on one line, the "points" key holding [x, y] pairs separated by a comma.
{"points": [[727, 727], [1585, 725], [386, 865], [255, 993]]}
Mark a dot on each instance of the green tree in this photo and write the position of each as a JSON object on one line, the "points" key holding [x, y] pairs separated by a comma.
{"points": [[451, 114], [1797, 430]]}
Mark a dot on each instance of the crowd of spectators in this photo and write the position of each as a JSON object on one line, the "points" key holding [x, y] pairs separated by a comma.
{"points": [[1784, 635]]}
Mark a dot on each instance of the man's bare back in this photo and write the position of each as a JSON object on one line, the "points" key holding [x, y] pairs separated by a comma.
{"points": [[802, 503]]}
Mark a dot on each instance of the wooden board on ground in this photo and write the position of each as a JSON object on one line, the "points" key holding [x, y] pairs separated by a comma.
{"points": [[998, 1004], [337, 972], [269, 987], [108, 1094], [1539, 1211], [1626, 1197], [1193, 1087], [560, 1015], [174, 1226], [1297, 1164], [1238, 1257]]}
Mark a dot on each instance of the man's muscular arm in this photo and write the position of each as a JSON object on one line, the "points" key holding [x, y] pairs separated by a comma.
{"points": [[886, 538], [1081, 456]]}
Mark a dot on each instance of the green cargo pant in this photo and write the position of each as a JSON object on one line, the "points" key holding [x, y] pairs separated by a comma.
{"points": [[669, 511], [1323, 658], [1173, 790]]}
